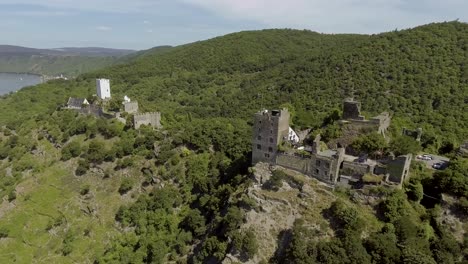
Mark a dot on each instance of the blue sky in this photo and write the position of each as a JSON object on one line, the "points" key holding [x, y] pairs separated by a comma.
{"points": [[142, 24]]}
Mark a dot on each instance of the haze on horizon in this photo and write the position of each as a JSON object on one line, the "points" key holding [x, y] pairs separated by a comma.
{"points": [[142, 24]]}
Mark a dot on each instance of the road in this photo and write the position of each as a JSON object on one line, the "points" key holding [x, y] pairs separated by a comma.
{"points": [[435, 159]]}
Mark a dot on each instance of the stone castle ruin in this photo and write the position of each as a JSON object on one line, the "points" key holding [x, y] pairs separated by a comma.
{"points": [[332, 166], [352, 117], [151, 118], [131, 107]]}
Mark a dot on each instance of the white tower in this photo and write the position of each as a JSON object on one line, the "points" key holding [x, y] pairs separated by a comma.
{"points": [[103, 88]]}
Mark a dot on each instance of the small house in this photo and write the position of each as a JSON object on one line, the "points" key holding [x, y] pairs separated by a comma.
{"points": [[76, 103]]}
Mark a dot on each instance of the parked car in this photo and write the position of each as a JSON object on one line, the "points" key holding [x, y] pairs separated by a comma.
{"points": [[424, 157], [437, 166]]}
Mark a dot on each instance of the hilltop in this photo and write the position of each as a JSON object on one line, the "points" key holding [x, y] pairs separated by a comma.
{"points": [[77, 188]]}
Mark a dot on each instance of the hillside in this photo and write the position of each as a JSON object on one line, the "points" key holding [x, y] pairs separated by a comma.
{"points": [[419, 75], [80, 189], [67, 61]]}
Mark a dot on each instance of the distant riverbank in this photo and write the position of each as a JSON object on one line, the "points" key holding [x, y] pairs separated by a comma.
{"points": [[11, 82]]}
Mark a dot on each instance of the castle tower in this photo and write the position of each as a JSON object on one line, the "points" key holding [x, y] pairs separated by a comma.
{"points": [[352, 110], [269, 130], [103, 88]]}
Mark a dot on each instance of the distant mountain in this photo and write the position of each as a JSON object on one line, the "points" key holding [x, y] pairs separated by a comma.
{"points": [[69, 61], [9, 50], [94, 51]]}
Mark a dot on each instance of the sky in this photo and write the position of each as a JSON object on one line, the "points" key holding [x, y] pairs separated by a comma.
{"points": [[142, 24]]}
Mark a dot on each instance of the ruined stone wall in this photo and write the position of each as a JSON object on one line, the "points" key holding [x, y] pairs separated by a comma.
{"points": [[131, 107], [398, 168], [293, 162], [323, 168], [355, 169], [352, 110], [151, 118], [320, 167]]}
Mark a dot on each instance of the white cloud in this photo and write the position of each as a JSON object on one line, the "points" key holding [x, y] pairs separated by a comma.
{"points": [[338, 15], [363, 16], [112, 6], [104, 28]]}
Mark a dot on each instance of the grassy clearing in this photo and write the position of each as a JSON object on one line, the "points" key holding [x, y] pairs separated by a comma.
{"points": [[54, 194]]}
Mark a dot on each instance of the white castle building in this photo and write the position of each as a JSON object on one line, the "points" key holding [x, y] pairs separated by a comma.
{"points": [[103, 88]]}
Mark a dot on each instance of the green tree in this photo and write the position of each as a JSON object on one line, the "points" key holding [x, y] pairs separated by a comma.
{"points": [[415, 191], [125, 186], [96, 151], [71, 150], [402, 145], [369, 143]]}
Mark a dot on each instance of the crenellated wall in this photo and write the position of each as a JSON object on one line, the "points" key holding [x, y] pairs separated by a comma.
{"points": [[150, 118]]}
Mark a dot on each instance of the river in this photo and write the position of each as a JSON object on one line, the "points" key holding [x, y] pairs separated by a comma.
{"points": [[10, 82]]}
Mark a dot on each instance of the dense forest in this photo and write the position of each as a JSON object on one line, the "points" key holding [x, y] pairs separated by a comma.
{"points": [[81, 189]]}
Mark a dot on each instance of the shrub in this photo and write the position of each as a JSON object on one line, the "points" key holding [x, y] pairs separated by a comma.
{"points": [[71, 150], [249, 243], [85, 189], [4, 232], [83, 167], [125, 186], [276, 180], [12, 195]]}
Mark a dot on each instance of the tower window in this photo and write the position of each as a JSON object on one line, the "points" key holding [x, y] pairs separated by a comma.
{"points": [[259, 146], [317, 171], [317, 163], [270, 149], [271, 140], [267, 155], [259, 137]]}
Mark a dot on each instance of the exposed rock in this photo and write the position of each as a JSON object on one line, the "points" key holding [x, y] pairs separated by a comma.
{"points": [[261, 172], [276, 212]]}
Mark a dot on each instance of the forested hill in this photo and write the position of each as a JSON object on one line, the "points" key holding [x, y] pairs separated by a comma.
{"points": [[418, 74]]}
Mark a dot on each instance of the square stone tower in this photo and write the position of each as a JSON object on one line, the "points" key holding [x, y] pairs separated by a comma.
{"points": [[270, 129], [103, 88], [352, 110]]}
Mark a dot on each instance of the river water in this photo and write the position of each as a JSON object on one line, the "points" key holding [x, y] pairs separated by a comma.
{"points": [[10, 82]]}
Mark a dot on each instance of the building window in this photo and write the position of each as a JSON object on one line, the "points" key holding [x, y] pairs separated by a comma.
{"points": [[317, 171], [267, 155], [327, 165], [271, 140], [259, 146], [317, 162], [271, 131], [326, 172], [270, 149], [259, 137]]}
